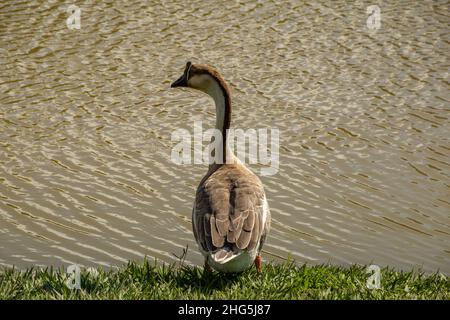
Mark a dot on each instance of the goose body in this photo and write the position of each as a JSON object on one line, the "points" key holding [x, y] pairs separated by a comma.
{"points": [[230, 216]]}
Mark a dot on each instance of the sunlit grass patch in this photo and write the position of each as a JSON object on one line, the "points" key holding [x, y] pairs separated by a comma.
{"points": [[147, 280]]}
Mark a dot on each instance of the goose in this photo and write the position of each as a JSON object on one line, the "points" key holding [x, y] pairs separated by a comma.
{"points": [[230, 215]]}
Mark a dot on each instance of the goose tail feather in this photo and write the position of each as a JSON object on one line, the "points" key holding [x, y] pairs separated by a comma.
{"points": [[224, 255]]}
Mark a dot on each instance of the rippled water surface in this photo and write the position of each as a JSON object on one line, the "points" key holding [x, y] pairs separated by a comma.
{"points": [[86, 118]]}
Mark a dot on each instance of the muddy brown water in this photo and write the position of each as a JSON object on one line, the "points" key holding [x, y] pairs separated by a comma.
{"points": [[86, 118]]}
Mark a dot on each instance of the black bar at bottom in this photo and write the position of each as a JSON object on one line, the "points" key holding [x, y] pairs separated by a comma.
{"points": [[216, 309]]}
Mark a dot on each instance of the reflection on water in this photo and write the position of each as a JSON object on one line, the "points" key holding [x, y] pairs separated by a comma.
{"points": [[86, 117]]}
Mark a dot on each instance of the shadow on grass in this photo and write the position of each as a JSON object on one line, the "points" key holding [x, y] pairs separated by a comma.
{"points": [[204, 281], [198, 279], [150, 275]]}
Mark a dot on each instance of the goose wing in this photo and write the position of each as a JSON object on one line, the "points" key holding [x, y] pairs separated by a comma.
{"points": [[229, 210]]}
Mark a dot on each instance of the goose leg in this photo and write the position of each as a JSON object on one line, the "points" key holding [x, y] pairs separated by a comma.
{"points": [[258, 263], [207, 267]]}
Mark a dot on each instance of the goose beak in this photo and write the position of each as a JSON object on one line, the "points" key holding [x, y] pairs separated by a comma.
{"points": [[180, 82]]}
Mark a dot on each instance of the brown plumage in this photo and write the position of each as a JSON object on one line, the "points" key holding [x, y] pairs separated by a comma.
{"points": [[230, 217], [228, 208]]}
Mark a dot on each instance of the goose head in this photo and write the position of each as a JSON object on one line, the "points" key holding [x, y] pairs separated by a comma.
{"points": [[201, 77], [207, 79]]}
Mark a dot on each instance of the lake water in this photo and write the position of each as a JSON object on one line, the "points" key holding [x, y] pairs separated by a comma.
{"points": [[86, 117]]}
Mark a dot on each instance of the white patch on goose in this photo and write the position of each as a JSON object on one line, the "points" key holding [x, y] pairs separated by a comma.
{"points": [[239, 262]]}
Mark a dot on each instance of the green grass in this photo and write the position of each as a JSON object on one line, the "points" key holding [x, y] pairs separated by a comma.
{"points": [[148, 280]]}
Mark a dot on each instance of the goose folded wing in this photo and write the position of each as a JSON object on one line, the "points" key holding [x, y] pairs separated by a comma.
{"points": [[246, 217], [232, 216]]}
